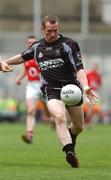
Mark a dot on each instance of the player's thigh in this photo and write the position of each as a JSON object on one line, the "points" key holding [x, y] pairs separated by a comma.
{"points": [[33, 90], [31, 99], [55, 107], [31, 104], [76, 114]]}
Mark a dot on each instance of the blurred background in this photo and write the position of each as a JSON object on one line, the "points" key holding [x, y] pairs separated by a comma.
{"points": [[86, 21]]}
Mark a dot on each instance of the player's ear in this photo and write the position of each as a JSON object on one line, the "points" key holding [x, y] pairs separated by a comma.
{"points": [[42, 28]]}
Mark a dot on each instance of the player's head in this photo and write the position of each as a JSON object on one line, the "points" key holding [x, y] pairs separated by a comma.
{"points": [[30, 40], [50, 28], [95, 67]]}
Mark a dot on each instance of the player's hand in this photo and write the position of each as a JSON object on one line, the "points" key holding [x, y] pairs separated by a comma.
{"points": [[0, 68], [5, 67], [0, 64], [18, 81], [93, 98]]}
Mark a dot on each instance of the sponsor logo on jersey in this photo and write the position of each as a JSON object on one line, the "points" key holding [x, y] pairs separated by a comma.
{"points": [[51, 64]]}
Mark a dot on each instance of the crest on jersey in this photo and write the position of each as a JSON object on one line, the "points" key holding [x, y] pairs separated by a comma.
{"points": [[40, 55], [57, 52]]}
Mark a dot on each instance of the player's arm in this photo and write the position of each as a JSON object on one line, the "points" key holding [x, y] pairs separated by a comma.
{"points": [[81, 75], [21, 76], [18, 59], [0, 64], [5, 64], [78, 65]]}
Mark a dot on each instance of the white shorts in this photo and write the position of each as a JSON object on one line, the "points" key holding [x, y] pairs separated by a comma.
{"points": [[33, 90]]}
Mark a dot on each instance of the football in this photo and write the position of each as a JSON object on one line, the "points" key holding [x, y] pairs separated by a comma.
{"points": [[71, 94]]}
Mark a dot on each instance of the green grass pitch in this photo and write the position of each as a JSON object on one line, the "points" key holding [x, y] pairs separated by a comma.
{"points": [[44, 159]]}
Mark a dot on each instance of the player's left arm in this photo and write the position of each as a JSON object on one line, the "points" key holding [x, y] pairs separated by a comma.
{"points": [[81, 74]]}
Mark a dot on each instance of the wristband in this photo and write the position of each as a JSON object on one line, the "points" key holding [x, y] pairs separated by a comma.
{"points": [[86, 88]]}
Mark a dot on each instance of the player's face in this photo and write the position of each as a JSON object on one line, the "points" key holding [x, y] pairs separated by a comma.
{"points": [[30, 41], [51, 31]]}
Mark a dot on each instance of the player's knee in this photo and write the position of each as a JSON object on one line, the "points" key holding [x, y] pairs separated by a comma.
{"points": [[31, 111], [59, 118], [79, 129]]}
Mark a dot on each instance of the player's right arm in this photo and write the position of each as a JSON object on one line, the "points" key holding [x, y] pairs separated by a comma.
{"points": [[5, 64], [18, 59]]}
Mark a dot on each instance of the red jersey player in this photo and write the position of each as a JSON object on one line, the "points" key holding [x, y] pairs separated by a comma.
{"points": [[94, 78], [33, 93], [94, 81]]}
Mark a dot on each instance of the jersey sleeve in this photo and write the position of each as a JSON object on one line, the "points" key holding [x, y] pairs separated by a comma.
{"points": [[73, 52], [76, 53], [28, 54]]}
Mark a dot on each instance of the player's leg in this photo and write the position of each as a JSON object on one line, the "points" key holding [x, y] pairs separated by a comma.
{"points": [[31, 101], [77, 118], [58, 111], [30, 120], [45, 116], [89, 115]]}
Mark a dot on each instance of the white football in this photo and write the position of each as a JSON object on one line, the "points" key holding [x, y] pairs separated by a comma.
{"points": [[71, 94]]}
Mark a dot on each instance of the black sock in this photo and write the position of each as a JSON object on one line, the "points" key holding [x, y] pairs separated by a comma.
{"points": [[68, 147], [74, 137]]}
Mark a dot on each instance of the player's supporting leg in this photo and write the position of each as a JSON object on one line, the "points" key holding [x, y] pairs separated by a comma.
{"points": [[30, 120], [46, 117], [57, 110], [89, 116], [77, 119]]}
